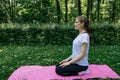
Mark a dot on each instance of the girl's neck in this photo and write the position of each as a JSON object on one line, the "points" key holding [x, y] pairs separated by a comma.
{"points": [[82, 31]]}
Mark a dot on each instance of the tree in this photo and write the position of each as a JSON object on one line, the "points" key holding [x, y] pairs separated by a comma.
{"points": [[91, 9], [88, 8], [58, 10], [66, 11], [79, 7], [3, 15], [98, 10], [113, 10]]}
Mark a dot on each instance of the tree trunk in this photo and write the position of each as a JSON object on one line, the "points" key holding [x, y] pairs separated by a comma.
{"points": [[12, 10], [98, 10], [66, 11], [118, 10], [58, 10], [6, 10], [113, 10], [88, 6], [79, 7], [91, 9], [103, 1], [39, 4]]}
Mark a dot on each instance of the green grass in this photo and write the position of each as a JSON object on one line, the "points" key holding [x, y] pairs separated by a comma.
{"points": [[14, 56]]}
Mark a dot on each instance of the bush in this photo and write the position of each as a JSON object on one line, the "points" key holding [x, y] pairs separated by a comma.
{"points": [[106, 34], [58, 34]]}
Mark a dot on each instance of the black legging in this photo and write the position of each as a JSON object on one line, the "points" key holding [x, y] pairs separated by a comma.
{"points": [[70, 70]]}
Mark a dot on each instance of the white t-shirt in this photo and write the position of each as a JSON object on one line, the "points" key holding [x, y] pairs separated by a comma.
{"points": [[76, 49]]}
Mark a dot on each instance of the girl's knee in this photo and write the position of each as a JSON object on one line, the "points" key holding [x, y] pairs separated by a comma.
{"points": [[59, 70]]}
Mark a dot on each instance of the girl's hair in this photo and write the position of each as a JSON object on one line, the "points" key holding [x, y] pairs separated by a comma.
{"points": [[87, 24]]}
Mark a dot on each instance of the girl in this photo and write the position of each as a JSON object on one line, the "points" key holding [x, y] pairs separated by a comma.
{"points": [[78, 61]]}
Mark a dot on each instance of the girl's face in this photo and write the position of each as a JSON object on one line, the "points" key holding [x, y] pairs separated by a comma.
{"points": [[78, 25]]}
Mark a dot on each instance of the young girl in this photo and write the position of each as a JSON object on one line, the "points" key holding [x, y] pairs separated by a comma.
{"points": [[78, 61]]}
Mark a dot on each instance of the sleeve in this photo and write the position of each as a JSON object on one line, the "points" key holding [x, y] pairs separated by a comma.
{"points": [[85, 39]]}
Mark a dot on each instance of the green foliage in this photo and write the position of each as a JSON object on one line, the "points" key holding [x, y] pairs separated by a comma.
{"points": [[14, 56], [103, 34], [106, 34], [2, 15], [45, 11]]}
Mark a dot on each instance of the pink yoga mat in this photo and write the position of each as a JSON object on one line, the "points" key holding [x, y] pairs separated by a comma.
{"points": [[48, 73]]}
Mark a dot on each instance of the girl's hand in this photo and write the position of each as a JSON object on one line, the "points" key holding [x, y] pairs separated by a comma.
{"points": [[65, 64], [63, 61]]}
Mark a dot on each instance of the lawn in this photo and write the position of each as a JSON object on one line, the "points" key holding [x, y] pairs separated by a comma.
{"points": [[14, 56]]}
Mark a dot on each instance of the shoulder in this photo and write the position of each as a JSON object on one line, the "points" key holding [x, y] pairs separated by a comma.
{"points": [[85, 35]]}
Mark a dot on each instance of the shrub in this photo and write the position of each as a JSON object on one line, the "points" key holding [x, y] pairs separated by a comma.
{"points": [[104, 34]]}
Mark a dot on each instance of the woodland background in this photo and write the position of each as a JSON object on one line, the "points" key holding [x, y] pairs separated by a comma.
{"points": [[40, 32], [58, 11]]}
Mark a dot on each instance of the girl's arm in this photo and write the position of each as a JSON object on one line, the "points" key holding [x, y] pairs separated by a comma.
{"points": [[66, 60], [83, 52]]}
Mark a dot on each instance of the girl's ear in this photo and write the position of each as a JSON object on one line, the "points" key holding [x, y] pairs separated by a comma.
{"points": [[83, 24]]}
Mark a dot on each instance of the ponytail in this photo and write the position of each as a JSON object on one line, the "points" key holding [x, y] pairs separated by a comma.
{"points": [[87, 24]]}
